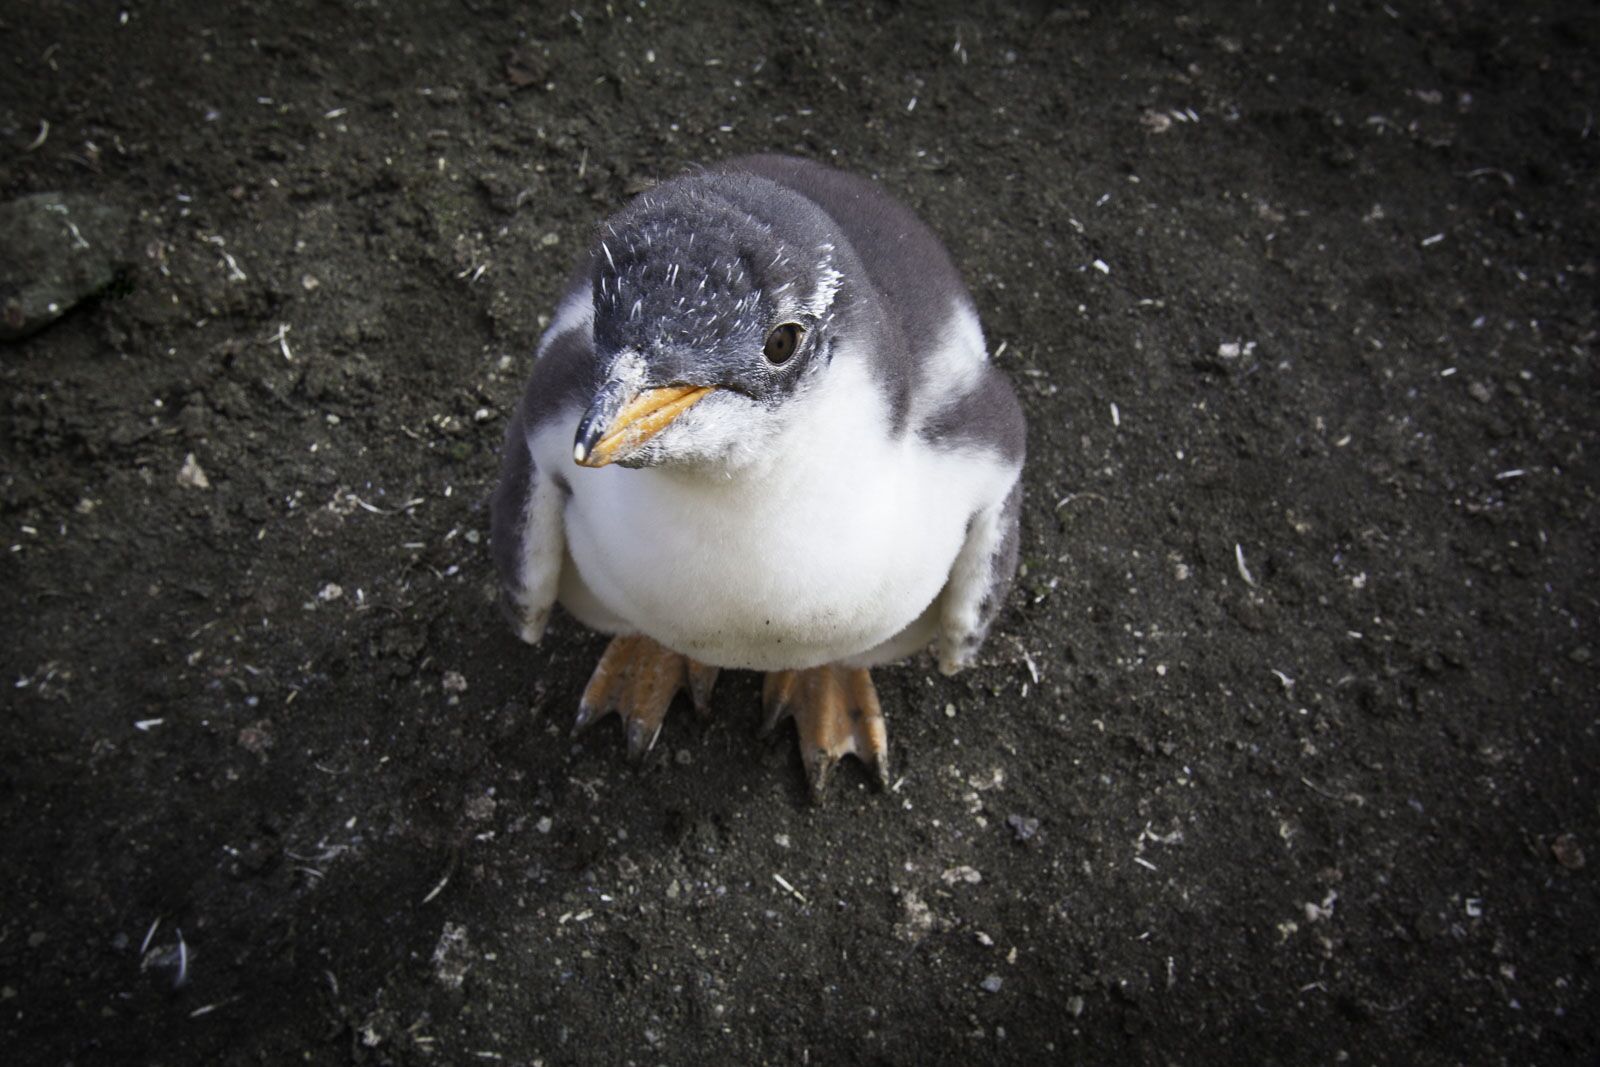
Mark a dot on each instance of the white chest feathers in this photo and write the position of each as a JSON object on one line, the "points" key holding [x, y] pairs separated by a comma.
{"points": [[833, 547]]}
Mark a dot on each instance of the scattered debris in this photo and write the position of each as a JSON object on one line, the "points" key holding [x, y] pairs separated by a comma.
{"points": [[1023, 826], [207, 1009], [1027, 659], [791, 890], [1155, 121], [158, 958], [444, 880], [450, 956], [1568, 852], [281, 338], [1320, 912], [191, 475], [257, 738], [235, 272], [1244, 570], [183, 961], [968, 875]]}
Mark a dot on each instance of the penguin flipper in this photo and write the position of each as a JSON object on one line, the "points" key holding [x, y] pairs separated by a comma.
{"points": [[979, 581], [526, 536]]}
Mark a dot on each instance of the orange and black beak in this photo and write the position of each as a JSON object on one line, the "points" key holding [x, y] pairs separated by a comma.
{"points": [[623, 417]]}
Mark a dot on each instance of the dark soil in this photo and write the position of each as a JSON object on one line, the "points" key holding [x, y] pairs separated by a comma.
{"points": [[1304, 292]]}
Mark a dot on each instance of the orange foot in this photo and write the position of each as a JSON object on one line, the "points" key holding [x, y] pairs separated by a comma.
{"points": [[637, 678], [836, 711]]}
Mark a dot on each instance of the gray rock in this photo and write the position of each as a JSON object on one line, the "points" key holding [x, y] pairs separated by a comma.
{"points": [[58, 248], [1023, 826]]}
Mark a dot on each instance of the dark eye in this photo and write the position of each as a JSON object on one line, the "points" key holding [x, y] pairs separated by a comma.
{"points": [[782, 342]]}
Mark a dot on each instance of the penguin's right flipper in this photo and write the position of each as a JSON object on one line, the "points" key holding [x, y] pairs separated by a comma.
{"points": [[526, 536]]}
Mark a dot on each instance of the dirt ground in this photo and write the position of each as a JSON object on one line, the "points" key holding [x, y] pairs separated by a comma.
{"points": [[1284, 751]]}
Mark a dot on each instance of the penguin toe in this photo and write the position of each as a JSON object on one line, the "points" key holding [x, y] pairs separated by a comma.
{"points": [[836, 714], [637, 678]]}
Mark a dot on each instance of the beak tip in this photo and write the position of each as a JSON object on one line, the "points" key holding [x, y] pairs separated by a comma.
{"points": [[620, 421]]}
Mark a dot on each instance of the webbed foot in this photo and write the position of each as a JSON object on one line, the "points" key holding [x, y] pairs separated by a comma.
{"points": [[637, 678], [836, 711]]}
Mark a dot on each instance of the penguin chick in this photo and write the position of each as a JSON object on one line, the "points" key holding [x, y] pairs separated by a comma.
{"points": [[762, 432]]}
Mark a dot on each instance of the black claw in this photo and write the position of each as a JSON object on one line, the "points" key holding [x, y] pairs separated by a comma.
{"points": [[586, 715], [880, 771], [776, 712], [819, 767], [700, 690], [641, 739]]}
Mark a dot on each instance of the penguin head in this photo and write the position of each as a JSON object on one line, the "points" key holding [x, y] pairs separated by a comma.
{"points": [[714, 297]]}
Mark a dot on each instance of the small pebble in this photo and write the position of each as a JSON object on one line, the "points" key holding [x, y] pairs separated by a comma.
{"points": [[966, 874], [992, 984], [1023, 826], [1568, 852], [191, 476]]}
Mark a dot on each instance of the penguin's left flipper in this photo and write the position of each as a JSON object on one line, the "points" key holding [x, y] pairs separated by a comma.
{"points": [[836, 713], [979, 581], [637, 678]]}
